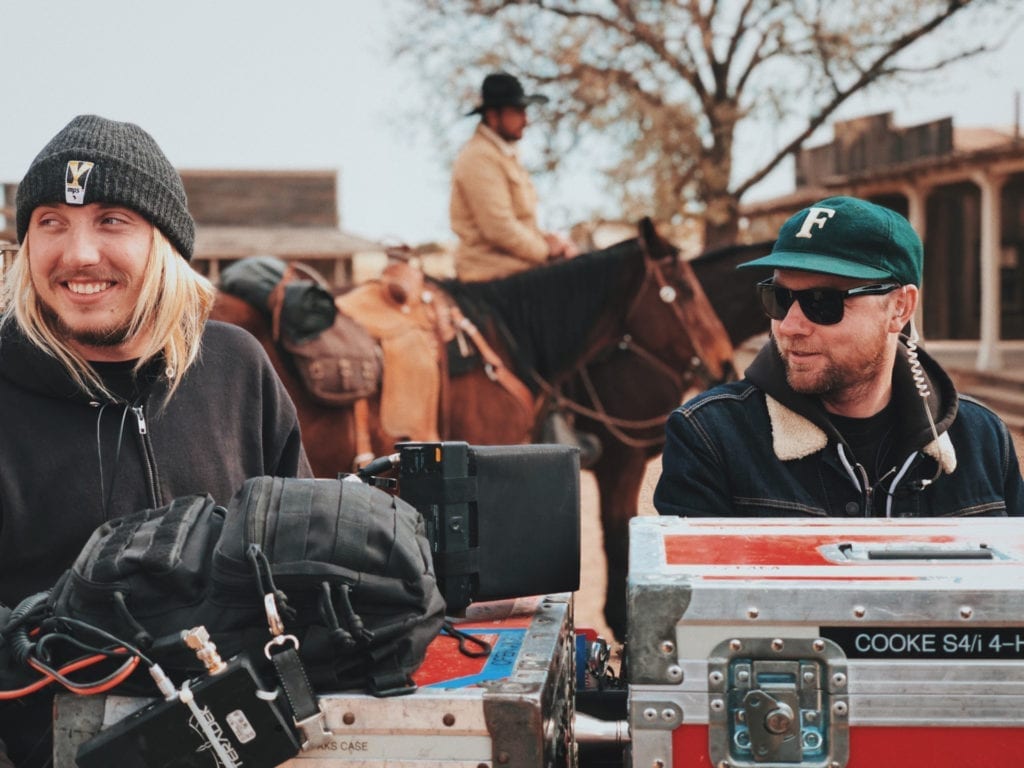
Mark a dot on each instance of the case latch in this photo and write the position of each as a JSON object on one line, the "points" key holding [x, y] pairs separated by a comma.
{"points": [[777, 702]]}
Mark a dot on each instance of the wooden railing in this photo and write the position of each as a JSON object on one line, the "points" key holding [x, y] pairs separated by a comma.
{"points": [[7, 212], [8, 231]]}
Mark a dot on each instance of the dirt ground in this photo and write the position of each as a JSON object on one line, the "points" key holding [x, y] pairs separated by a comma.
{"points": [[589, 601]]}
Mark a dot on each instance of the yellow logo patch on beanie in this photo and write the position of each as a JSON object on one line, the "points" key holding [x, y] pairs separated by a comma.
{"points": [[75, 178]]}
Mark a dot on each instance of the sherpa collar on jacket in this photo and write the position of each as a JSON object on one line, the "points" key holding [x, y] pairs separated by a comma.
{"points": [[800, 426]]}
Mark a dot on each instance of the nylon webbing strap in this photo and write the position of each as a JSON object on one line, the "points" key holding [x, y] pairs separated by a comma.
{"points": [[291, 528], [125, 547], [351, 544], [457, 563], [388, 677]]}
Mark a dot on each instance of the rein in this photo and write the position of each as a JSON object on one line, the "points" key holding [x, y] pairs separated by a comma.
{"points": [[599, 413], [682, 381]]}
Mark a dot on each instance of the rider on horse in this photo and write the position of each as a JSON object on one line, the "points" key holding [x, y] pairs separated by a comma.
{"points": [[493, 205], [493, 210]]}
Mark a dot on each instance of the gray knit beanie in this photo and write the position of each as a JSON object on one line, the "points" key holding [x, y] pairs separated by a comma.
{"points": [[95, 160]]}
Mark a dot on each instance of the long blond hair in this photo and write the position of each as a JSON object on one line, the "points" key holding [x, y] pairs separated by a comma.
{"points": [[173, 306]]}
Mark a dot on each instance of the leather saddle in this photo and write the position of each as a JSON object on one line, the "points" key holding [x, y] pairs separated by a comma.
{"points": [[416, 331]]}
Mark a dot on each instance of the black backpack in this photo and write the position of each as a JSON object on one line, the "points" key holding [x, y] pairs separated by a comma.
{"points": [[352, 567], [348, 566]]}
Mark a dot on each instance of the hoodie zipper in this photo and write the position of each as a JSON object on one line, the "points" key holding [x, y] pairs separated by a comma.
{"points": [[141, 418], [148, 460]]}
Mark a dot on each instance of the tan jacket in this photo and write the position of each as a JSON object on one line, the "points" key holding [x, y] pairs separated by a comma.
{"points": [[493, 210]]}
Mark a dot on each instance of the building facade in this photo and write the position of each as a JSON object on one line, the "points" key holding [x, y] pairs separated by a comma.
{"points": [[238, 213]]}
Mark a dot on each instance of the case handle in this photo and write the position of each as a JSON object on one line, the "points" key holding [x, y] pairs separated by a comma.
{"points": [[917, 552]]}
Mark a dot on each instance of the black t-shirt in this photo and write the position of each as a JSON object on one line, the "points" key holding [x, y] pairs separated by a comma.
{"points": [[122, 379], [870, 440]]}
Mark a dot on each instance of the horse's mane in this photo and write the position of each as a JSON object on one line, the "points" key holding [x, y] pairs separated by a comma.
{"points": [[731, 290], [735, 252], [547, 313]]}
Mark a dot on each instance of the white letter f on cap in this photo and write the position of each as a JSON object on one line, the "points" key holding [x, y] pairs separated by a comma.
{"points": [[815, 216]]}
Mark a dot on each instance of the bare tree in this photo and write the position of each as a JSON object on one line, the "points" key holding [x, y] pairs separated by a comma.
{"points": [[663, 86]]}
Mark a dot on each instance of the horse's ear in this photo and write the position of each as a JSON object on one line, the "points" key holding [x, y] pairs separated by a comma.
{"points": [[654, 246], [647, 231]]}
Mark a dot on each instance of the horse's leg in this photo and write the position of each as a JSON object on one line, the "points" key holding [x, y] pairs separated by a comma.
{"points": [[619, 474]]}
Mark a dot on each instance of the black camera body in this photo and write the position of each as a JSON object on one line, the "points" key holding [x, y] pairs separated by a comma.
{"points": [[503, 521]]}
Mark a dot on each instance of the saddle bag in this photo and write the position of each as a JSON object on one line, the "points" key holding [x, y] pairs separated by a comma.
{"points": [[334, 357], [339, 363], [346, 566]]}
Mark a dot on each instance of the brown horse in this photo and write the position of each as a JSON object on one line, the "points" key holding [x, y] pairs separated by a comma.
{"points": [[547, 323], [629, 416]]}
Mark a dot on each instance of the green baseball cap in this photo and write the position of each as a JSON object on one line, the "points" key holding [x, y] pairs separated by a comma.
{"points": [[849, 237]]}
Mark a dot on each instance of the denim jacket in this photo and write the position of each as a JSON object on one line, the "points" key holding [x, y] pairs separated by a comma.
{"points": [[756, 448]]}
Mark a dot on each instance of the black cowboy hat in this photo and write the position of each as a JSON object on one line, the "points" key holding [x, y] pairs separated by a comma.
{"points": [[500, 89]]}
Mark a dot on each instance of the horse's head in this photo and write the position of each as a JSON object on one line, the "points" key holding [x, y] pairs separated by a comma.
{"points": [[731, 290], [672, 319]]}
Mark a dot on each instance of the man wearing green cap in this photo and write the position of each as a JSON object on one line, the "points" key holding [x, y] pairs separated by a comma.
{"points": [[116, 394], [839, 414], [493, 206]]}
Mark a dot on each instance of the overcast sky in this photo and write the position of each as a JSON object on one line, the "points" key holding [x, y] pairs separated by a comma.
{"points": [[311, 84]]}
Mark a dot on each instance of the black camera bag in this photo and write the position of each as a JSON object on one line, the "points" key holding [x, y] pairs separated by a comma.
{"points": [[349, 567], [352, 568]]}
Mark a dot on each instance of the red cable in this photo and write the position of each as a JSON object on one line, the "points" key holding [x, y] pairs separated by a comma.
{"points": [[74, 666]]}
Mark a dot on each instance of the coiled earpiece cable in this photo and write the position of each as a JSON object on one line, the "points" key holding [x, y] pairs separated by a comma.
{"points": [[921, 383]]}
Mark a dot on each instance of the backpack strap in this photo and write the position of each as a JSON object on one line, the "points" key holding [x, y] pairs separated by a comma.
{"points": [[389, 678], [306, 713], [283, 652]]}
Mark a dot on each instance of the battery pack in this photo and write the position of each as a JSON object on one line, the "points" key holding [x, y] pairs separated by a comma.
{"points": [[234, 721]]}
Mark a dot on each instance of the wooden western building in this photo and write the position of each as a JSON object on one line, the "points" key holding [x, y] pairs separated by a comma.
{"points": [[289, 214]]}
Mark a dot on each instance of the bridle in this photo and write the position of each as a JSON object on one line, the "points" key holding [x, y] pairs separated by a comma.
{"points": [[682, 380]]}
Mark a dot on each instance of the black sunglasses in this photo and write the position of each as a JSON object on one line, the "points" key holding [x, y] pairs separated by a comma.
{"points": [[823, 306]]}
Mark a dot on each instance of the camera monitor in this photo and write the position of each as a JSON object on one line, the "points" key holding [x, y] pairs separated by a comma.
{"points": [[503, 521]]}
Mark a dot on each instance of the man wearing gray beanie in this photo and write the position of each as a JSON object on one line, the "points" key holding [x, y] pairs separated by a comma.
{"points": [[116, 392]]}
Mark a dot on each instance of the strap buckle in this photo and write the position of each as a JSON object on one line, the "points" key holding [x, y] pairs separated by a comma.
{"points": [[314, 729], [307, 713]]}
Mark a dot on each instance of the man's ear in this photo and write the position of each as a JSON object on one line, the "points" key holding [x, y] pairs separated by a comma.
{"points": [[904, 306]]}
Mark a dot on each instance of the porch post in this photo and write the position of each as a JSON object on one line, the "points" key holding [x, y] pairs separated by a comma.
{"points": [[989, 356]]}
